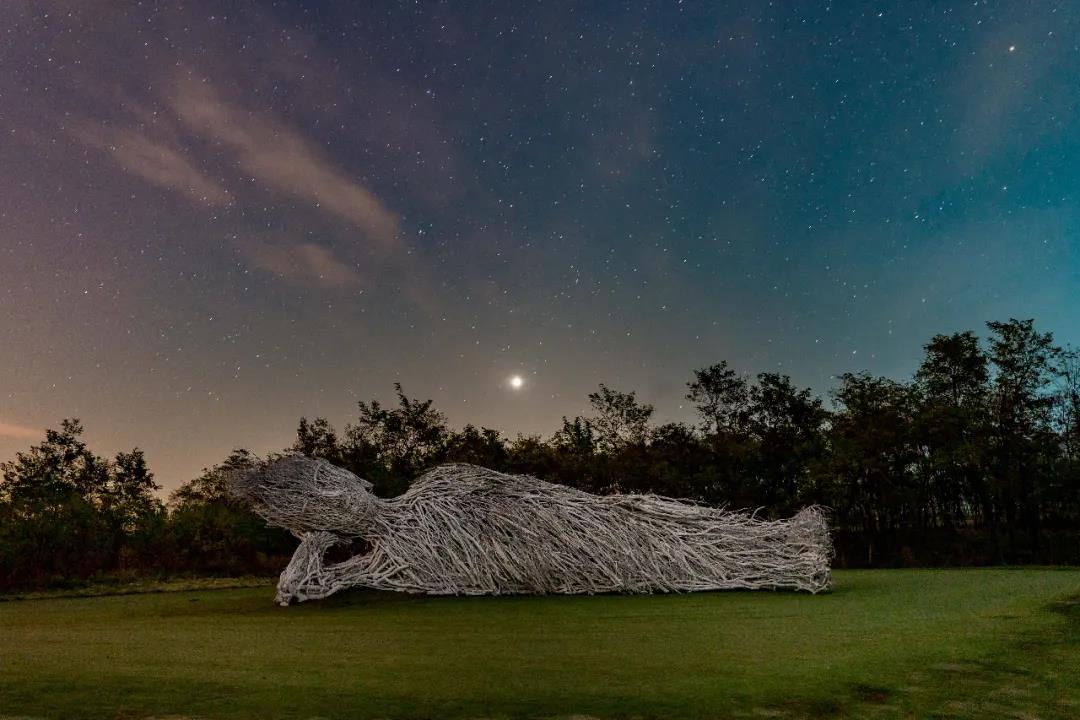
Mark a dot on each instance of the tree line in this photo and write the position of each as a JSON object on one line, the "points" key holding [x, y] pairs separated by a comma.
{"points": [[974, 460]]}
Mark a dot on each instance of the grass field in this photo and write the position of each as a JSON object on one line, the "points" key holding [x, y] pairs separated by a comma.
{"points": [[894, 643]]}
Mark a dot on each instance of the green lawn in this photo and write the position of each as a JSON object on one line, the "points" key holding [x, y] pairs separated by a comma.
{"points": [[894, 643]]}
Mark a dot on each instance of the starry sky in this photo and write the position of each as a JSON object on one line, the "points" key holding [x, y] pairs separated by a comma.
{"points": [[213, 222]]}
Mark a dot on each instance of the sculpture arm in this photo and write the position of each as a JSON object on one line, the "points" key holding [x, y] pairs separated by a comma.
{"points": [[305, 577]]}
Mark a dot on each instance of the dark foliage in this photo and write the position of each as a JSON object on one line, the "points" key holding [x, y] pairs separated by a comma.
{"points": [[66, 513], [975, 460], [211, 532]]}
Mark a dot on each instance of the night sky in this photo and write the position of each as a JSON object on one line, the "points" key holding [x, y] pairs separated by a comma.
{"points": [[213, 223]]}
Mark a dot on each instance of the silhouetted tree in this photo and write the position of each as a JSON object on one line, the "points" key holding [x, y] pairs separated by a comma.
{"points": [[1024, 362], [722, 398], [317, 439], [575, 448], [1068, 402], [977, 459], [214, 532], [787, 426], [67, 514], [405, 440], [531, 455], [482, 446], [134, 513], [873, 455], [952, 428], [618, 418], [681, 465]]}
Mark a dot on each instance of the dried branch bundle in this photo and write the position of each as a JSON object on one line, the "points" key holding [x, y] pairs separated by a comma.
{"points": [[466, 530]]}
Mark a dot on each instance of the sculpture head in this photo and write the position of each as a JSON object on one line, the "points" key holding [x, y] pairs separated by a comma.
{"points": [[305, 494]]}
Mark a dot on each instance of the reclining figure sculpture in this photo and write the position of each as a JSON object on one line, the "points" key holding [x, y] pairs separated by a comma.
{"points": [[466, 530]]}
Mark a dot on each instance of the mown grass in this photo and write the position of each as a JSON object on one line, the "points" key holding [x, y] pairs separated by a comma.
{"points": [[138, 586], [895, 643]]}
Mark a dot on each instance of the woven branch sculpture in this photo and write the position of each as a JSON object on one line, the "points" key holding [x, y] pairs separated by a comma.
{"points": [[466, 530]]}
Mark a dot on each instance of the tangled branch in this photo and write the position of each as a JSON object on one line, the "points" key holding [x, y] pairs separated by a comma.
{"points": [[466, 530]]}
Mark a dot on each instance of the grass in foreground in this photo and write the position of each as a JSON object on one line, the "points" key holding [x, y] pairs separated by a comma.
{"points": [[895, 643]]}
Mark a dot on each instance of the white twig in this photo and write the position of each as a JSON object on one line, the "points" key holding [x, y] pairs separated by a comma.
{"points": [[466, 530]]}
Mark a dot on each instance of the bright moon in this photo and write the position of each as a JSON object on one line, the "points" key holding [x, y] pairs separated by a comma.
{"points": [[516, 382]]}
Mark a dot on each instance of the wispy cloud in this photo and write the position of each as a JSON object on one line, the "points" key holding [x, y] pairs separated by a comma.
{"points": [[304, 263], [279, 157], [210, 126], [12, 430], [154, 161]]}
